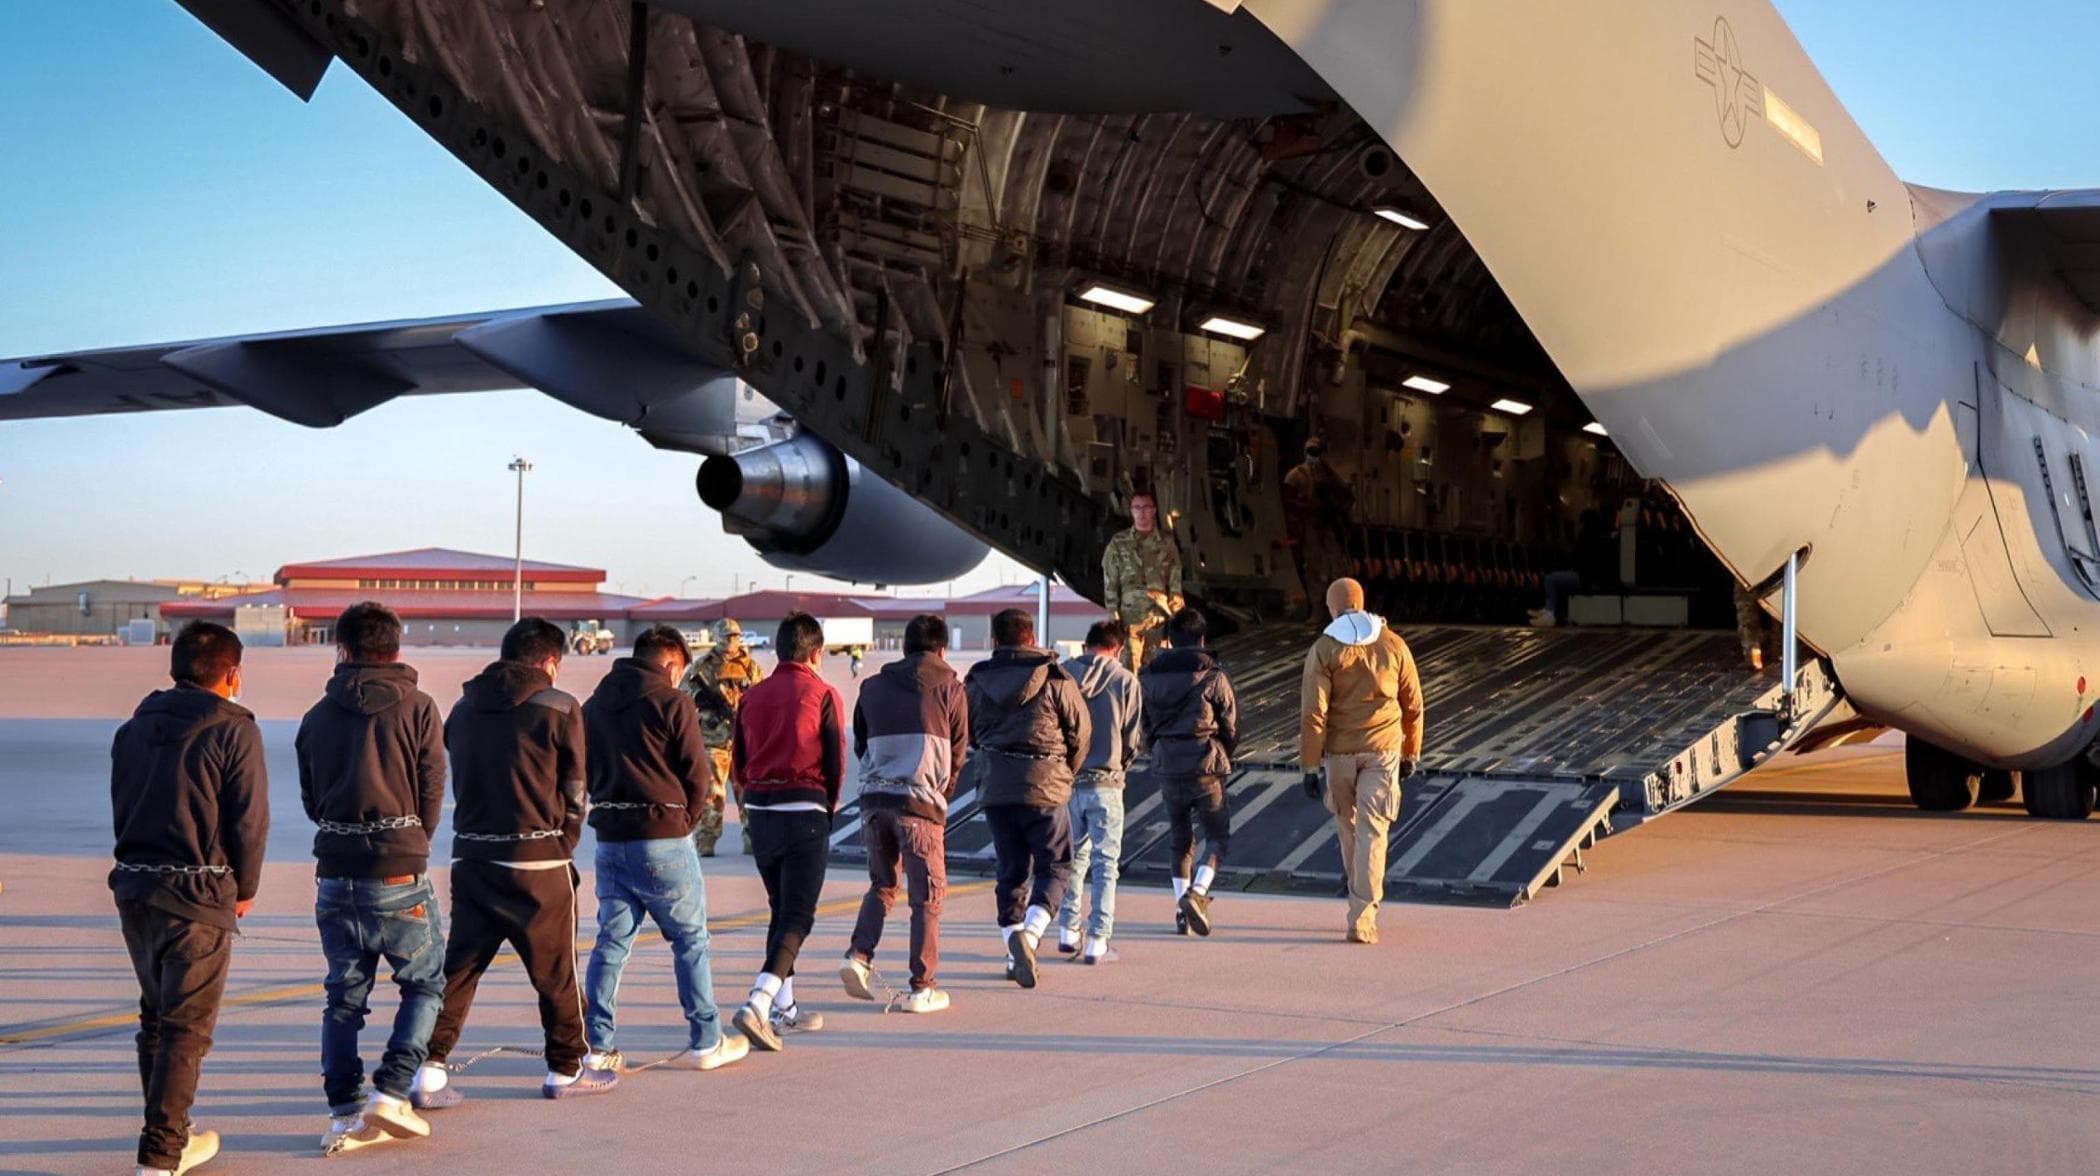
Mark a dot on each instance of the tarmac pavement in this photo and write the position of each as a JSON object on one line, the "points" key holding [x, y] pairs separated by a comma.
{"points": [[1802, 975]]}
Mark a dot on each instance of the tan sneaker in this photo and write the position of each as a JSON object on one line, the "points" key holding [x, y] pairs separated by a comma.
{"points": [[1370, 936], [395, 1117]]}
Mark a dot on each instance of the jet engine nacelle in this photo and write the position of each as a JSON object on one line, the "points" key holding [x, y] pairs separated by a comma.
{"points": [[806, 507]]}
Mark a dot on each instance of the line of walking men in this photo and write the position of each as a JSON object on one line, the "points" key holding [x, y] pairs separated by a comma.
{"points": [[1048, 744]]}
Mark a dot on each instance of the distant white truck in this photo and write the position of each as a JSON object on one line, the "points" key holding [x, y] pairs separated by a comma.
{"points": [[846, 634], [138, 631]]}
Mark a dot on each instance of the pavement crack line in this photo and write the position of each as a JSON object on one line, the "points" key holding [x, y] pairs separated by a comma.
{"points": [[1513, 986]]}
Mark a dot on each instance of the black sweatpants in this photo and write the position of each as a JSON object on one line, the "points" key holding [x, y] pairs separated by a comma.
{"points": [[181, 966], [1192, 799], [791, 850], [534, 911], [1033, 848]]}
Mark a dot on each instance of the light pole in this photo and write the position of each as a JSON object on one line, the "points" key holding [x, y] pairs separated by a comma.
{"points": [[684, 582], [521, 467], [791, 581]]}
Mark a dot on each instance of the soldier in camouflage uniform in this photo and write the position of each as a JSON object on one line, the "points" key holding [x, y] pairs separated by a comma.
{"points": [[717, 683], [1141, 579]]}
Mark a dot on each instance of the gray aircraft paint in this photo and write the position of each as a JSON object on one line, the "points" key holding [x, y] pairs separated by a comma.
{"points": [[1749, 312]]}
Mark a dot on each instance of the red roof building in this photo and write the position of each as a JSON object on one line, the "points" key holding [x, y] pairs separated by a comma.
{"points": [[444, 597]]}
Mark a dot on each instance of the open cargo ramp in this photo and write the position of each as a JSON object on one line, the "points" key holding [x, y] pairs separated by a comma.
{"points": [[1540, 742]]}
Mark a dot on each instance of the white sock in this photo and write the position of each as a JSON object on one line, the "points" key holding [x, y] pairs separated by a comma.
{"points": [[762, 991], [429, 1077], [786, 999], [1204, 874], [1037, 922], [1068, 936], [1181, 887], [554, 1079], [1096, 946], [1006, 934]]}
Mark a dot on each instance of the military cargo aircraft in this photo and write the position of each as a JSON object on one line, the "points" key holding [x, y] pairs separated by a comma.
{"points": [[1511, 262]]}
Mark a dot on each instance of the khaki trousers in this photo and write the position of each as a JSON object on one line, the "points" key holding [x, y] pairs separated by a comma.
{"points": [[1363, 793]]}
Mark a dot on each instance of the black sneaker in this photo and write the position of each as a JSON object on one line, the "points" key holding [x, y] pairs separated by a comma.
{"points": [[1195, 908], [1181, 922], [1023, 955]]}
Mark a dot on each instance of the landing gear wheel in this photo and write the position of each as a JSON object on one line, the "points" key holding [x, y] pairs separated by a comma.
{"points": [[1997, 787], [2061, 793], [1940, 781]]}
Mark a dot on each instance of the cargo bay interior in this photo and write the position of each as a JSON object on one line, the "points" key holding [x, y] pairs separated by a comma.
{"points": [[1020, 313]]}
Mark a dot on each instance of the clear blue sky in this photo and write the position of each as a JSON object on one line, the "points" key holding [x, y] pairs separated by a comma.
{"points": [[158, 187]]}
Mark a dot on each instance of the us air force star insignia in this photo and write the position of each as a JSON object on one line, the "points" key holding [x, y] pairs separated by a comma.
{"points": [[1738, 97]]}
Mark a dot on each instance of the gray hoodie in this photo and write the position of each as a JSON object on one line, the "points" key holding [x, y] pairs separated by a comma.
{"points": [[1113, 704]]}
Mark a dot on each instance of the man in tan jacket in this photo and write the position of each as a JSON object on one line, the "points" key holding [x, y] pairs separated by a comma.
{"points": [[1360, 719]]}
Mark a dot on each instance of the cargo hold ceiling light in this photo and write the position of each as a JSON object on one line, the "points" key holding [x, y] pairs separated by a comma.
{"points": [[1401, 217], [1101, 294], [1594, 427], [1236, 328], [1422, 383], [1512, 407]]}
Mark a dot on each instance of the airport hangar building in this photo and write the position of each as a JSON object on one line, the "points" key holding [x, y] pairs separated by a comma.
{"points": [[444, 597]]}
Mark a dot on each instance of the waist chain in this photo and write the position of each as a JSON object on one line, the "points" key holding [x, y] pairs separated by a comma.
{"points": [[615, 805], [535, 835], [356, 828], [142, 868]]}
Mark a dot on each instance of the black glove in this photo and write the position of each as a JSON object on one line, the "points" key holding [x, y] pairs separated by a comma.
{"points": [[1407, 768], [1312, 785]]}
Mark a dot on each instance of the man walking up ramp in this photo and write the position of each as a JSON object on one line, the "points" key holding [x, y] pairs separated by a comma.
{"points": [[1192, 725], [1360, 722], [1113, 703]]}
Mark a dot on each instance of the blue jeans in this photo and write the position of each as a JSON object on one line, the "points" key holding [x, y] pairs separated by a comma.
{"points": [[661, 879], [363, 920], [1097, 841]]}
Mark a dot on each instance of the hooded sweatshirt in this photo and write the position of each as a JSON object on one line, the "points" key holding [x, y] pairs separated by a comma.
{"points": [[1113, 703], [187, 788], [911, 730], [517, 749], [1192, 718], [1360, 693], [372, 772], [650, 774], [1029, 725]]}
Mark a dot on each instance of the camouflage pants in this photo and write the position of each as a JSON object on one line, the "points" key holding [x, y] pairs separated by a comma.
{"points": [[1147, 636], [708, 830]]}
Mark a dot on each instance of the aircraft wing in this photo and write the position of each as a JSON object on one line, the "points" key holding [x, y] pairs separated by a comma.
{"points": [[609, 358]]}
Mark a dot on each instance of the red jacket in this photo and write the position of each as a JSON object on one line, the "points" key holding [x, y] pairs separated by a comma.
{"points": [[788, 743]]}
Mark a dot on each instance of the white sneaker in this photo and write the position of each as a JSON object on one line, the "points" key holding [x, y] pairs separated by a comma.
{"points": [[1543, 618], [855, 975], [924, 1000], [348, 1135], [732, 1048], [611, 1059], [395, 1117], [203, 1145]]}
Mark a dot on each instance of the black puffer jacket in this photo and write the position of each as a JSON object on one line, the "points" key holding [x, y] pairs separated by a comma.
{"points": [[517, 767], [1028, 727], [649, 772], [187, 788], [372, 772], [1192, 718]]}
